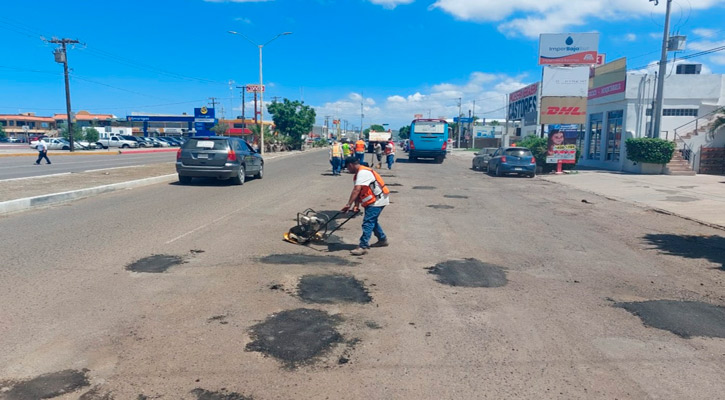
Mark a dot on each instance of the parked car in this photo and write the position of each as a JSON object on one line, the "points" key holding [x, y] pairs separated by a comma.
{"points": [[158, 142], [170, 141], [218, 157], [512, 160], [148, 142], [480, 161], [53, 144], [117, 141]]}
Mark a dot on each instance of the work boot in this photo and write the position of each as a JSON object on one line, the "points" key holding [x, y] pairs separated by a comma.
{"points": [[359, 251], [380, 243]]}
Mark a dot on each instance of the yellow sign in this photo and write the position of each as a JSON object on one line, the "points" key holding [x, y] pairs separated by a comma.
{"points": [[204, 110]]}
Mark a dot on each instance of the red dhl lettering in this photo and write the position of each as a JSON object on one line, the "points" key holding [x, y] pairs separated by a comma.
{"points": [[564, 111]]}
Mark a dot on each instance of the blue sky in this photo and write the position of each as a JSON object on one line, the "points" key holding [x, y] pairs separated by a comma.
{"points": [[396, 57]]}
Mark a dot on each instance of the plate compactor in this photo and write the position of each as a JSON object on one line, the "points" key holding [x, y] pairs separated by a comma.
{"points": [[312, 226]]}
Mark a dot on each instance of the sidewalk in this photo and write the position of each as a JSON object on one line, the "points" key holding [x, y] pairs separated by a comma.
{"points": [[699, 198], [23, 193]]}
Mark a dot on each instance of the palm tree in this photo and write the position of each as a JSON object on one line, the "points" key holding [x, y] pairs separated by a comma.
{"points": [[719, 121]]}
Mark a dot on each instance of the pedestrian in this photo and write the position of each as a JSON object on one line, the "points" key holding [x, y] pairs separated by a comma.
{"points": [[360, 150], [336, 157], [371, 193], [346, 150], [378, 153], [390, 154], [42, 152]]}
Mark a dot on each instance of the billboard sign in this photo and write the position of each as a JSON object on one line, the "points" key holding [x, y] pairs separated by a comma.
{"points": [[565, 81], [562, 143], [523, 101], [568, 48], [609, 80], [254, 88], [563, 110]]}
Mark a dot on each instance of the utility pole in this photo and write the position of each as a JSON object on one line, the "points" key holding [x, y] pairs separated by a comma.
{"points": [[459, 123], [362, 115], [473, 126], [61, 56], [244, 97], [657, 112], [213, 102], [327, 126]]}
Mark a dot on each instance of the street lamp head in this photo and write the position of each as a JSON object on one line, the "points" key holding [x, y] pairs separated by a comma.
{"points": [[233, 32], [287, 33]]}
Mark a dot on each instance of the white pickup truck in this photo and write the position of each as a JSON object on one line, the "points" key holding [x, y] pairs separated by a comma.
{"points": [[116, 141]]}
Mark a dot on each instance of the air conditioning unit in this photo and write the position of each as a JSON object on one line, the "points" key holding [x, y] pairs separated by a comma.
{"points": [[689, 69]]}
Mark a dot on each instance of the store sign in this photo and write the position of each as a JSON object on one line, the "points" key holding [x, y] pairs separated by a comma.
{"points": [[563, 110], [568, 48], [523, 101], [565, 81]]}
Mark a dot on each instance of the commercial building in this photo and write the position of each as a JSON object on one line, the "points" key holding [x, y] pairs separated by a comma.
{"points": [[24, 125], [85, 119]]}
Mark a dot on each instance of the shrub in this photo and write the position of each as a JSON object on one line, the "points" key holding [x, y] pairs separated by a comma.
{"points": [[650, 150]]}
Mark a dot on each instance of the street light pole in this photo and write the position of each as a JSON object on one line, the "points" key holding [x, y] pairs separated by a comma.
{"points": [[261, 85], [657, 112]]}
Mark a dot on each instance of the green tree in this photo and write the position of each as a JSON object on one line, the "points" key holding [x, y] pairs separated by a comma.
{"points": [[293, 119], [404, 132], [77, 132], [91, 135], [220, 129], [2, 132], [374, 127]]}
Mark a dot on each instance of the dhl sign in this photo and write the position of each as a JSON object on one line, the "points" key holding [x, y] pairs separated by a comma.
{"points": [[563, 110]]}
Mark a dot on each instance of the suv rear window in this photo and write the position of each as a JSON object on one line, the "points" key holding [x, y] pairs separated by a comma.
{"points": [[206, 144], [518, 152]]}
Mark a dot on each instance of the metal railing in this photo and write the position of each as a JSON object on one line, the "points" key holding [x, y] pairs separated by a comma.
{"points": [[686, 150]]}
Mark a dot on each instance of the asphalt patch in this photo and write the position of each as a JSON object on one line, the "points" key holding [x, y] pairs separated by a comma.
{"points": [[683, 318], [295, 336], [440, 206], [393, 184], [680, 199], [424, 187], [332, 289], [155, 264], [469, 272], [455, 196], [202, 394], [302, 259], [45, 386], [393, 191]]}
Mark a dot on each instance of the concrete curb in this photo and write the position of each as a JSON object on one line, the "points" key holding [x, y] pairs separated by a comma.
{"points": [[48, 199], [640, 205], [93, 153]]}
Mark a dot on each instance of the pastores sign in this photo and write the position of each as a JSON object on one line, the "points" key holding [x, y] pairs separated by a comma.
{"points": [[568, 48], [523, 101]]}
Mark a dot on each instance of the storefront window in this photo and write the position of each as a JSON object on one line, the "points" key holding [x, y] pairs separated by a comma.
{"points": [[595, 136], [614, 134]]}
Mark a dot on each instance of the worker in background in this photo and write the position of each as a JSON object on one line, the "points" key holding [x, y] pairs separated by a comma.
{"points": [[371, 193], [360, 150], [390, 153], [336, 157], [378, 154], [346, 150]]}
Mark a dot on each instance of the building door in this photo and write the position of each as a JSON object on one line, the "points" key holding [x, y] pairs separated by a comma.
{"points": [[614, 134], [595, 136]]}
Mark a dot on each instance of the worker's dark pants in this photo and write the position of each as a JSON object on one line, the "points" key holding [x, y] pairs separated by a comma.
{"points": [[371, 226], [360, 157], [42, 155], [390, 160], [336, 165]]}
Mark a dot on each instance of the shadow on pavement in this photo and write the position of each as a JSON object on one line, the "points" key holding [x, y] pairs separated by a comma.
{"points": [[711, 248]]}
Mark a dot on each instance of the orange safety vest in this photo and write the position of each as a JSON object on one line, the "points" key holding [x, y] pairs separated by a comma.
{"points": [[390, 150], [359, 146], [336, 150], [368, 194]]}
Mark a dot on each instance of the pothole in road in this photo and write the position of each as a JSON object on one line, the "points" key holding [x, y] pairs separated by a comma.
{"points": [[683, 318], [45, 386], [680, 199], [455, 196], [393, 184], [440, 206], [469, 272], [393, 191], [332, 289], [202, 394], [304, 259], [424, 187], [155, 264], [295, 336]]}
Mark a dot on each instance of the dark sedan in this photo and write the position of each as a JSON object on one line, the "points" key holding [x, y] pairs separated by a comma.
{"points": [[218, 157], [512, 160], [480, 161]]}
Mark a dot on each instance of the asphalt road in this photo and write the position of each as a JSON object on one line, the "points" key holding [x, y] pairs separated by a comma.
{"points": [[24, 166], [542, 321]]}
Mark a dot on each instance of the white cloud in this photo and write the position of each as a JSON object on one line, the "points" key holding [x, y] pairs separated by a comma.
{"points": [[440, 100], [703, 45], [630, 37], [391, 4], [703, 32], [532, 17], [243, 20]]}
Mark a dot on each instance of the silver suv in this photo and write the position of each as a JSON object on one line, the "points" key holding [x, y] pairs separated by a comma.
{"points": [[218, 157]]}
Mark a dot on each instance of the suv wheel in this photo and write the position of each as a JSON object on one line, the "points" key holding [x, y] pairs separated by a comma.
{"points": [[124, 146], [184, 180], [239, 179], [260, 174], [498, 170]]}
